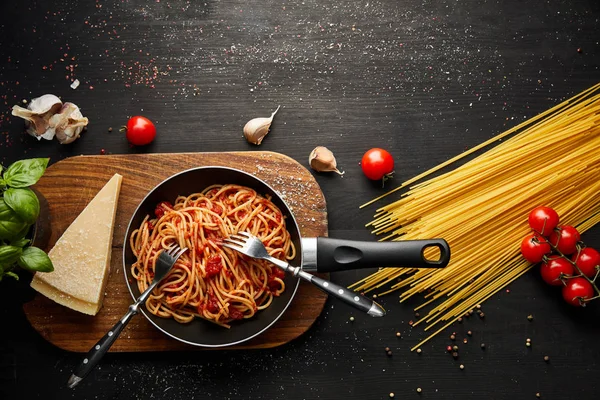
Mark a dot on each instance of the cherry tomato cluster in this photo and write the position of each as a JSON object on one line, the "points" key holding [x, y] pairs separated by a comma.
{"points": [[565, 260]]}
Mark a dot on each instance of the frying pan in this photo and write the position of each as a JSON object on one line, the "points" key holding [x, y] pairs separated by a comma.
{"points": [[313, 254]]}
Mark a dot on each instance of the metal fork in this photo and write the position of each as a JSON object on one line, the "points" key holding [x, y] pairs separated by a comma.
{"points": [[165, 261], [251, 246]]}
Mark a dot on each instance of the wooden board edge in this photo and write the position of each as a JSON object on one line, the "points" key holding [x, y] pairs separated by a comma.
{"points": [[180, 346]]}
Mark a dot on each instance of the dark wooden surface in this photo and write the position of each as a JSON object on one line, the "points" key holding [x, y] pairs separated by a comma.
{"points": [[425, 79], [74, 331]]}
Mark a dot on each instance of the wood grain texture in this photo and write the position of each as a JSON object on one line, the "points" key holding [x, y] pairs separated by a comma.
{"points": [[70, 184]]}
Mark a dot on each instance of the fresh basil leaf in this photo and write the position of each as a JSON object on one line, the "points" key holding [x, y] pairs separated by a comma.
{"points": [[11, 226], [20, 242], [9, 254], [24, 202], [35, 260], [25, 173], [2, 182], [22, 233]]}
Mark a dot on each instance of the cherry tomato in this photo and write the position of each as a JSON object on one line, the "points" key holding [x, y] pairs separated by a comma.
{"points": [[555, 268], [587, 260], [534, 247], [543, 220], [140, 131], [577, 289], [377, 164], [565, 239]]}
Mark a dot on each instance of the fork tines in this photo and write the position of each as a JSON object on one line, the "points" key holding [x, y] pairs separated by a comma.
{"points": [[240, 238], [175, 251], [234, 240]]}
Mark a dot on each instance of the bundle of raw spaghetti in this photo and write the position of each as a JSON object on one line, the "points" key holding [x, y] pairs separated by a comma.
{"points": [[481, 208]]}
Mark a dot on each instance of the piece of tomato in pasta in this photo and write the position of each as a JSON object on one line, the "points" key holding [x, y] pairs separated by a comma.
{"points": [[236, 314], [272, 282], [212, 305], [162, 208], [213, 266]]}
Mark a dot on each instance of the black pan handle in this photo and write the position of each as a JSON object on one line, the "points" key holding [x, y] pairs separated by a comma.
{"points": [[341, 255]]}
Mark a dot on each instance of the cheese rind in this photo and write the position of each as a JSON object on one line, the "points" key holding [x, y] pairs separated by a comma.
{"points": [[81, 256], [64, 299]]}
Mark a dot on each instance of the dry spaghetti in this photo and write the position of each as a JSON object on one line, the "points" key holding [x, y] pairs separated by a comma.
{"points": [[481, 208], [210, 281]]}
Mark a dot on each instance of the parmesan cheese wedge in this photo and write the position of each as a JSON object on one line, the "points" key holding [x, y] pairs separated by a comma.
{"points": [[81, 256]]}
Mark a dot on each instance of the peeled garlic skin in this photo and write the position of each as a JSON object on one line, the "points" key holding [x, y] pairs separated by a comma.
{"points": [[45, 103], [256, 129], [68, 123]]}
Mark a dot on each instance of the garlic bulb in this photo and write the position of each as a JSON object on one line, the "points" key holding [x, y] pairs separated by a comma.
{"points": [[321, 159], [47, 116], [256, 129]]}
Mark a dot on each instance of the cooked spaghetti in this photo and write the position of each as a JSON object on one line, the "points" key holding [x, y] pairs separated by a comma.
{"points": [[481, 208], [210, 281]]}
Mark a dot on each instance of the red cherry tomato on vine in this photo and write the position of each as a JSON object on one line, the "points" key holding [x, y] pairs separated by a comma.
{"points": [[577, 289], [543, 220], [587, 260], [140, 131], [377, 164], [534, 247], [565, 239], [555, 268]]}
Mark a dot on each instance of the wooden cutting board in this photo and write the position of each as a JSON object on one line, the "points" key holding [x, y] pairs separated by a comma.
{"points": [[70, 184]]}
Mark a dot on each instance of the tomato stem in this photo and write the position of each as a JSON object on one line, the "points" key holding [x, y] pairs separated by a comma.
{"points": [[583, 301], [385, 177], [581, 274]]}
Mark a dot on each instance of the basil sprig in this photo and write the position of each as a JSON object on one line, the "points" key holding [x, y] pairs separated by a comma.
{"points": [[19, 209]]}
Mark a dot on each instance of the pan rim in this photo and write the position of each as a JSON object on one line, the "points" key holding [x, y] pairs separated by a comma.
{"points": [[143, 309]]}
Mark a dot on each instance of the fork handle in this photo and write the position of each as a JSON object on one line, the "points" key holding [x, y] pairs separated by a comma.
{"points": [[356, 300], [93, 357]]}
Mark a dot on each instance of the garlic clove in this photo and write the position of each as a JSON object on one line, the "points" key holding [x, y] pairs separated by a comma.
{"points": [[256, 129], [68, 123], [321, 159], [37, 114], [35, 124]]}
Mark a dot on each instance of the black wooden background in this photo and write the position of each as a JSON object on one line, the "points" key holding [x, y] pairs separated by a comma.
{"points": [[425, 79]]}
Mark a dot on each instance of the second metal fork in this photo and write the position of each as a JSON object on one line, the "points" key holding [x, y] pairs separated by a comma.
{"points": [[251, 246], [164, 263]]}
